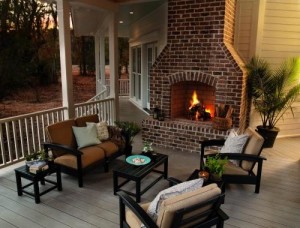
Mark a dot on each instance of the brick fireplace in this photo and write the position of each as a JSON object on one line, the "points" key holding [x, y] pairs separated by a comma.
{"points": [[199, 56]]}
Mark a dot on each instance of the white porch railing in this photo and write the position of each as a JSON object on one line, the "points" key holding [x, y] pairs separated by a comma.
{"points": [[24, 134], [123, 86]]}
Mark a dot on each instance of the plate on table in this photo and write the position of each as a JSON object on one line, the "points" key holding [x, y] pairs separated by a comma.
{"points": [[138, 160]]}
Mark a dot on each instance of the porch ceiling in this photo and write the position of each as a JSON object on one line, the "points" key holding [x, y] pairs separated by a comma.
{"points": [[89, 15]]}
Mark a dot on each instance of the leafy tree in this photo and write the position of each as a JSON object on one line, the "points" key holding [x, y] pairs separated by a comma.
{"points": [[25, 41]]}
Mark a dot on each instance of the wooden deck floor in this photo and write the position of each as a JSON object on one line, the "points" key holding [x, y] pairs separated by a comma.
{"points": [[94, 205]]}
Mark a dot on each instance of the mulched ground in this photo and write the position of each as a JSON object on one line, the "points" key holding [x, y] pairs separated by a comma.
{"points": [[24, 101]]}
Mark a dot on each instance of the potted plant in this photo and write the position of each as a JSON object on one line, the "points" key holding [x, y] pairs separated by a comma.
{"points": [[128, 131], [272, 92], [215, 166]]}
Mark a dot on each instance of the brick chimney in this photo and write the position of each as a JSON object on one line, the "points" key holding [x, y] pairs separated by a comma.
{"points": [[199, 49]]}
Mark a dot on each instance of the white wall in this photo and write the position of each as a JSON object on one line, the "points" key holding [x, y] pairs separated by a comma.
{"points": [[270, 29], [150, 29]]}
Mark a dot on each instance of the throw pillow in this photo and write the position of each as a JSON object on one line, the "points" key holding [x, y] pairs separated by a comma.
{"points": [[235, 144], [178, 189], [102, 130], [86, 136]]}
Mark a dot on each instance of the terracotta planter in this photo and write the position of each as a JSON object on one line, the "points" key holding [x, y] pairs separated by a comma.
{"points": [[268, 134]]}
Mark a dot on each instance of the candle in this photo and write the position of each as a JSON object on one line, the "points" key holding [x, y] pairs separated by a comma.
{"points": [[203, 174]]}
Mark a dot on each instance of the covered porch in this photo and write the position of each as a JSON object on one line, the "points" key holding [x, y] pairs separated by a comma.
{"points": [[277, 204]]}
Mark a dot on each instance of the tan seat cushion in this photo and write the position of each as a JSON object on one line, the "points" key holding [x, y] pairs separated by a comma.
{"points": [[132, 219], [109, 148], [81, 121], [172, 204], [231, 169], [90, 155], [61, 133], [253, 147]]}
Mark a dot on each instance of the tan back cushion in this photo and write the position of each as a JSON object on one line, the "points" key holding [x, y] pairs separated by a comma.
{"points": [[172, 204], [62, 133], [81, 121], [253, 146]]}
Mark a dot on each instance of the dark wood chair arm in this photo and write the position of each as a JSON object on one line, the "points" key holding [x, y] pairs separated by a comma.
{"points": [[173, 181], [126, 200], [206, 143], [237, 156], [62, 147], [222, 214], [212, 142]]}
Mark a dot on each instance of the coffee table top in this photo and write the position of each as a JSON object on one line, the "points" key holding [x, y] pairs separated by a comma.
{"points": [[142, 170]]}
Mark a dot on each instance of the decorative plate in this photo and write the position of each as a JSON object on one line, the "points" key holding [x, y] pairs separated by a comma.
{"points": [[138, 160]]}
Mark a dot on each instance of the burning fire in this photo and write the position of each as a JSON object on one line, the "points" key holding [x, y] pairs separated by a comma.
{"points": [[194, 100], [197, 110]]}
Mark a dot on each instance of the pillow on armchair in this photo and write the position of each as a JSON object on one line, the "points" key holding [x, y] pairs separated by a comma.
{"points": [[235, 144], [175, 190]]}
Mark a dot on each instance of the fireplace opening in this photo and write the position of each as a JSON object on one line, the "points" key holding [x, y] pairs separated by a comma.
{"points": [[192, 100]]}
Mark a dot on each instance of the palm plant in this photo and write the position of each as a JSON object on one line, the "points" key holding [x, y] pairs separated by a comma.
{"points": [[273, 91]]}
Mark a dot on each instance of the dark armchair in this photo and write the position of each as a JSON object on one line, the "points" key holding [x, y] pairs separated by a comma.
{"points": [[244, 172], [199, 208]]}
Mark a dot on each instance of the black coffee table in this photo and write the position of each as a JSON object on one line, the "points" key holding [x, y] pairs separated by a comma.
{"points": [[137, 173], [23, 172]]}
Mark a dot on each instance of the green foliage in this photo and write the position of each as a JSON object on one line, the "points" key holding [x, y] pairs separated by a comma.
{"points": [[128, 130], [215, 164], [26, 44], [38, 155], [273, 91]]}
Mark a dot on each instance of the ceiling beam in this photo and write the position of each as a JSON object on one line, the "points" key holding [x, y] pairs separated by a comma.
{"points": [[103, 4]]}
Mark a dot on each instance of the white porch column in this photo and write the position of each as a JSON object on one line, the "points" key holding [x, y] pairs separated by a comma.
{"points": [[113, 61], [63, 10], [102, 57], [97, 62]]}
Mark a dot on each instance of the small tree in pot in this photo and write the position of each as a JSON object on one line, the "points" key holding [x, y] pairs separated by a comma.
{"points": [[273, 93]]}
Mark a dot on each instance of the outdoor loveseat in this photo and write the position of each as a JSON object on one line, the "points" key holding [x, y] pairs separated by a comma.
{"points": [[77, 149]]}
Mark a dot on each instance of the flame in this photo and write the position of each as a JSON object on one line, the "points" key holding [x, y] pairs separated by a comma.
{"points": [[194, 100]]}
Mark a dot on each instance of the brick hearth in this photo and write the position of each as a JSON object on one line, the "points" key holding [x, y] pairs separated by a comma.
{"points": [[199, 49]]}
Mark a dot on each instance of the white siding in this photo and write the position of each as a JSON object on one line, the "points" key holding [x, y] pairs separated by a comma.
{"points": [[281, 31], [151, 28], [275, 37], [245, 28]]}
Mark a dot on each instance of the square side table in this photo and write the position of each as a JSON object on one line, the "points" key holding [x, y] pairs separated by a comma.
{"points": [[23, 172]]}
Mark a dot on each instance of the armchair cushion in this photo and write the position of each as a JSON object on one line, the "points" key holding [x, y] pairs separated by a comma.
{"points": [[231, 169], [86, 136], [253, 146], [132, 219], [109, 147], [81, 121], [175, 190], [172, 204], [61, 133], [89, 156]]}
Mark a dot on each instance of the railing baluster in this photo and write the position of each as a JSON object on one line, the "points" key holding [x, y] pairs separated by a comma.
{"points": [[21, 137], [2, 159], [8, 142], [37, 124], [16, 150], [27, 135]]}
